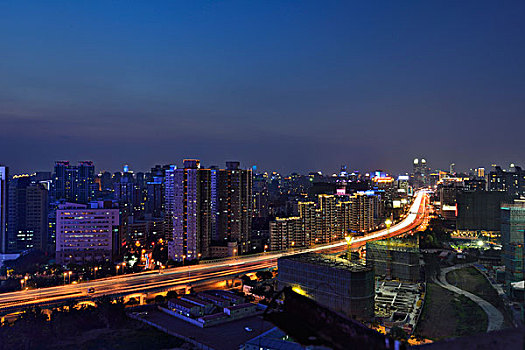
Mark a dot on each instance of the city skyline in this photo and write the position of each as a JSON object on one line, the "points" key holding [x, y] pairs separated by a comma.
{"points": [[295, 87]]}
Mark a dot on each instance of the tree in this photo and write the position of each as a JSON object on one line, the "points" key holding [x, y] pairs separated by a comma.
{"points": [[245, 279], [172, 294], [398, 333]]}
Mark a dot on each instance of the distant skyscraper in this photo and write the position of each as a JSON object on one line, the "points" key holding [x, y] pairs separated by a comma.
{"points": [[512, 181], [452, 169], [4, 173], [155, 197], [420, 172], [74, 183], [480, 172], [260, 196]]}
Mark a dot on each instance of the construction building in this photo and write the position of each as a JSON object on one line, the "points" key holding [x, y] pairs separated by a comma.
{"points": [[395, 258], [336, 283]]}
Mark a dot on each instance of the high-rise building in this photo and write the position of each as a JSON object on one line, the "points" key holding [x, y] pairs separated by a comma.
{"points": [[362, 212], [479, 214], [208, 205], [512, 181], [128, 195], [27, 215], [87, 233], [344, 218], [155, 197], [480, 172], [420, 172], [260, 196], [74, 184], [284, 232], [513, 238], [188, 202], [308, 215], [234, 205], [4, 176], [327, 219]]}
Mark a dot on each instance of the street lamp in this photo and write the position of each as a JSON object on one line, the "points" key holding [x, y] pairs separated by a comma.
{"points": [[96, 269], [349, 240], [116, 268], [69, 276]]}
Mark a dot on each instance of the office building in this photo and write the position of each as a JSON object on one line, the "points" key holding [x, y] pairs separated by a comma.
{"points": [[336, 283], [513, 238], [27, 215], [4, 197], [87, 233]]}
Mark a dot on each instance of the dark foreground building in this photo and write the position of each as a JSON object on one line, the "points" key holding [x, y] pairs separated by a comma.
{"points": [[336, 283]]}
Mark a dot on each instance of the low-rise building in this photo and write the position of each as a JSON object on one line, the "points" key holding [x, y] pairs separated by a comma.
{"points": [[185, 308], [241, 310]]}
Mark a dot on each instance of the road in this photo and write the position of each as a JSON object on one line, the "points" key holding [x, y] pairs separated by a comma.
{"points": [[152, 281], [495, 317]]}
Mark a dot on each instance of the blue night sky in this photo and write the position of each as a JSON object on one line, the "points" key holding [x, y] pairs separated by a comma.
{"points": [[290, 86]]}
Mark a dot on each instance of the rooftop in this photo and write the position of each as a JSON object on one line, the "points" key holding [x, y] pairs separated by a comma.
{"points": [[240, 306], [328, 261], [183, 303]]}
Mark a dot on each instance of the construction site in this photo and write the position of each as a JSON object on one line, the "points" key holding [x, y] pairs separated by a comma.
{"points": [[395, 259]]}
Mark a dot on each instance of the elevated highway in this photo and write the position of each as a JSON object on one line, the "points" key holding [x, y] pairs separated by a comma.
{"points": [[153, 281]]}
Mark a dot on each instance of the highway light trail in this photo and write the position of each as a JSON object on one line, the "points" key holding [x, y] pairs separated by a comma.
{"points": [[181, 276]]}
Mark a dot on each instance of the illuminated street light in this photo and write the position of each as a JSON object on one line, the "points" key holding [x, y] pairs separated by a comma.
{"points": [[349, 240]]}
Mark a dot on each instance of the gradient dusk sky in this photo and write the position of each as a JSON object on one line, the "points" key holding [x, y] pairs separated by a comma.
{"points": [[285, 85]]}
